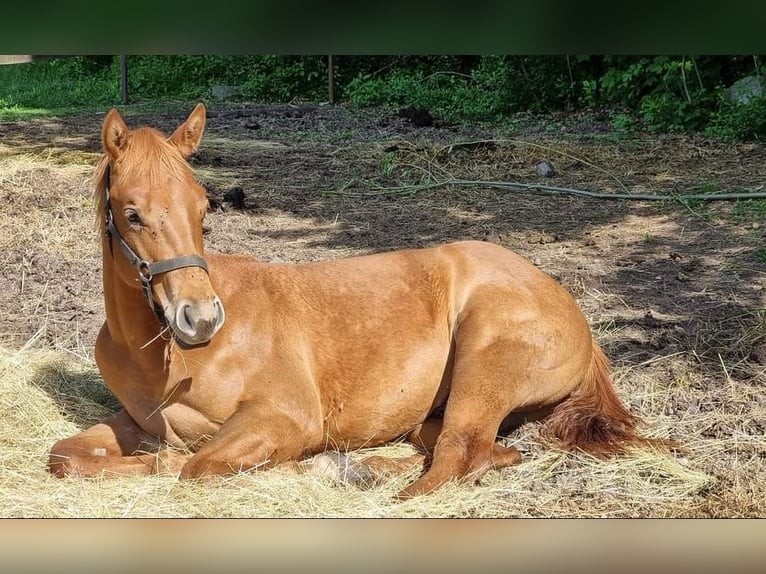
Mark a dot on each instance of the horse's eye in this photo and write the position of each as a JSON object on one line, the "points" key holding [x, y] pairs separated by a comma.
{"points": [[133, 217]]}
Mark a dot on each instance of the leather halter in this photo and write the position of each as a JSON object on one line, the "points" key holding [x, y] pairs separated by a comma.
{"points": [[146, 269]]}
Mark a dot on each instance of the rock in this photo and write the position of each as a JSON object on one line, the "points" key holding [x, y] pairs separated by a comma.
{"points": [[545, 168], [680, 331], [221, 92], [745, 89]]}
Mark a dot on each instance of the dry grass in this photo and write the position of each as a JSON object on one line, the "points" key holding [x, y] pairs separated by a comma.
{"points": [[47, 231], [47, 395], [685, 352]]}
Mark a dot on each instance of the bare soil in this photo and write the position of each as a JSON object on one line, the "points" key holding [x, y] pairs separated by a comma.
{"points": [[674, 290]]}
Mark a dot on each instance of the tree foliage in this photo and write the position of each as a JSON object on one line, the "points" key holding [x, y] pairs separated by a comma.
{"points": [[661, 93]]}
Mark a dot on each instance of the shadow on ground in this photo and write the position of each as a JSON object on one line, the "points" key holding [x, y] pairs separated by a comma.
{"points": [[79, 392], [670, 277]]}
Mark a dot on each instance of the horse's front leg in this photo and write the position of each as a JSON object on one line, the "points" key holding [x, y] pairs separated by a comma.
{"points": [[116, 445], [258, 435]]}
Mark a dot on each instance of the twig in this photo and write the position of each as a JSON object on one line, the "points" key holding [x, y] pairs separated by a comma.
{"points": [[153, 339], [571, 78], [683, 79], [417, 167], [549, 189], [697, 71], [539, 146], [448, 73], [395, 61], [682, 200], [726, 373], [600, 195]]}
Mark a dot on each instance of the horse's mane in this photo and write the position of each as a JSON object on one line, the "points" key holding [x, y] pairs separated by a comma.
{"points": [[147, 154], [99, 191]]}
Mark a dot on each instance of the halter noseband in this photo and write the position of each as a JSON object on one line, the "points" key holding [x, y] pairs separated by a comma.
{"points": [[146, 269]]}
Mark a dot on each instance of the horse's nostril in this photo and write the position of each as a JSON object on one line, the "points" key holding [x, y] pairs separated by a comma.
{"points": [[184, 319], [220, 313], [187, 315]]}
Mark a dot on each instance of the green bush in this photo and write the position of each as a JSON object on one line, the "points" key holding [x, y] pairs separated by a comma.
{"points": [[402, 88], [497, 86], [446, 95], [285, 78], [658, 93], [183, 77], [739, 121]]}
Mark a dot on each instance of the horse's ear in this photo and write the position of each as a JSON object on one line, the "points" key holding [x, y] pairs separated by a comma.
{"points": [[189, 134], [114, 133]]}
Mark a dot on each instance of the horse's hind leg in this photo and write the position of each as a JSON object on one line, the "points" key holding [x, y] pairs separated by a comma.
{"points": [[372, 469], [426, 436], [484, 385]]}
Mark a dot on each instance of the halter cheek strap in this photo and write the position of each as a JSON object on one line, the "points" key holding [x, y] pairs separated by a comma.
{"points": [[146, 269]]}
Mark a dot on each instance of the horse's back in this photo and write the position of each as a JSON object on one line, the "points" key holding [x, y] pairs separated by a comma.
{"points": [[440, 280]]}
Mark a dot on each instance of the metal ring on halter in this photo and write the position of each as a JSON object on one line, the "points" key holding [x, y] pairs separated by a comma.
{"points": [[144, 269]]}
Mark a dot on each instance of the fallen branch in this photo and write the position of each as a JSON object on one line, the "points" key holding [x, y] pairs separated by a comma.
{"points": [[602, 195], [549, 189]]}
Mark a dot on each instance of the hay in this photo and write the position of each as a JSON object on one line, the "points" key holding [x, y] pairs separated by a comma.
{"points": [[48, 395], [675, 296]]}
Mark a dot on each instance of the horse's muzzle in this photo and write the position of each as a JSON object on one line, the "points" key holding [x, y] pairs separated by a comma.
{"points": [[197, 321]]}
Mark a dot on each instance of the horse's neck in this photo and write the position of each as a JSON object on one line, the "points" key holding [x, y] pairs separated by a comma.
{"points": [[129, 318]]}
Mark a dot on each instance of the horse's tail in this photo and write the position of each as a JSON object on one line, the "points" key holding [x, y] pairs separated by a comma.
{"points": [[592, 418]]}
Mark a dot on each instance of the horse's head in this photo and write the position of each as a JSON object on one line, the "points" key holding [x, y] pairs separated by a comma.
{"points": [[154, 208]]}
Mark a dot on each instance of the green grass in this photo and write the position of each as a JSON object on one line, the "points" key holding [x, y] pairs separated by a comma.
{"points": [[708, 186], [66, 86], [749, 210], [22, 113], [56, 89], [45, 86]]}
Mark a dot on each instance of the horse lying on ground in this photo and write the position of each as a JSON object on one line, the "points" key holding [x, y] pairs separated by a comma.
{"points": [[250, 365]]}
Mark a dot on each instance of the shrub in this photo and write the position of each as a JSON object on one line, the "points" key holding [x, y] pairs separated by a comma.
{"points": [[659, 93], [739, 121]]}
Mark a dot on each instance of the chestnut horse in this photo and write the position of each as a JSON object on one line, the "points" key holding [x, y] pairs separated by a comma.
{"points": [[246, 364]]}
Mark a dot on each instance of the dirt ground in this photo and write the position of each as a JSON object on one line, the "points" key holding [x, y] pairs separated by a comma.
{"points": [[674, 290]]}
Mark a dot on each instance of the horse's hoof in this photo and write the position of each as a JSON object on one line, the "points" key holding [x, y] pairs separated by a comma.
{"points": [[339, 467]]}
